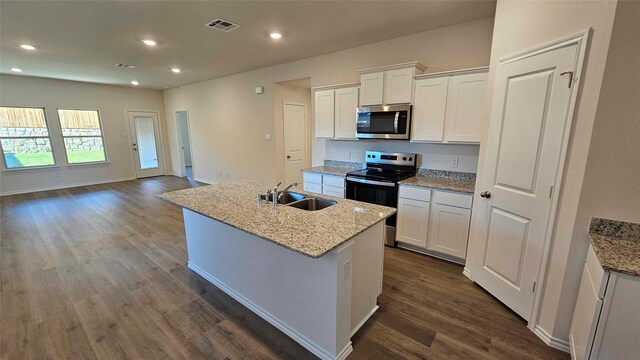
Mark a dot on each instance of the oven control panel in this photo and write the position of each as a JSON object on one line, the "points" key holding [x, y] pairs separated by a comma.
{"points": [[379, 157]]}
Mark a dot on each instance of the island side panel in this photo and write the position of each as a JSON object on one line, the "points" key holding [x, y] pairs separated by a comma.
{"points": [[368, 260], [308, 299]]}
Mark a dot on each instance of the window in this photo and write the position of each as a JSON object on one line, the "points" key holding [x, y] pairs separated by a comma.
{"points": [[82, 136], [24, 137]]}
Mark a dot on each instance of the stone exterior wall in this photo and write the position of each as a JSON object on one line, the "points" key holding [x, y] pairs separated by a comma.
{"points": [[26, 146]]}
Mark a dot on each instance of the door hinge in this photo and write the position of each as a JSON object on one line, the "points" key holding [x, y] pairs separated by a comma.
{"points": [[534, 287], [550, 191]]}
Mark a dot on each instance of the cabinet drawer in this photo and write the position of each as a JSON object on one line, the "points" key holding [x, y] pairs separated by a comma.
{"points": [[312, 178], [333, 191], [452, 199], [414, 193], [314, 188], [335, 181]]}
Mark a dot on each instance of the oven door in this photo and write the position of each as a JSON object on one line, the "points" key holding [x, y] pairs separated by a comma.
{"points": [[376, 192], [384, 122]]}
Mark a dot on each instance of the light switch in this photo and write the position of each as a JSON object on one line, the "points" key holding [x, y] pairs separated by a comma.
{"points": [[267, 137], [454, 162]]}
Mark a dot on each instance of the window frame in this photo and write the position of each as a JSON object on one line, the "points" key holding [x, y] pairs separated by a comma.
{"points": [[5, 166], [62, 136]]}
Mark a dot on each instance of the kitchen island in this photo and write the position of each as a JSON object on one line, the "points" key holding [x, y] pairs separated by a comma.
{"points": [[315, 275]]}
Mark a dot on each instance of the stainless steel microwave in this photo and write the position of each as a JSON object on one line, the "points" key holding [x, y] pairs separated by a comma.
{"points": [[384, 122]]}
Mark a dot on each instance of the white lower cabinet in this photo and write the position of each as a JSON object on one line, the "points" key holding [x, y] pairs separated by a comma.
{"points": [[435, 222], [413, 217], [449, 230], [330, 185], [606, 319]]}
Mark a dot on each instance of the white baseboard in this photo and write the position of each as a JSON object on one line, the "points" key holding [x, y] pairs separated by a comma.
{"points": [[208, 182], [430, 253], [366, 318], [551, 341], [466, 272], [65, 186], [291, 332]]}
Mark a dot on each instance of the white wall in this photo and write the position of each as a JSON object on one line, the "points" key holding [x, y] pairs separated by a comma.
{"points": [[522, 25], [111, 101], [432, 156], [229, 122]]}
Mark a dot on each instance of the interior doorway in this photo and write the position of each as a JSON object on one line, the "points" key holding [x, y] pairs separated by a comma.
{"points": [[184, 143], [295, 144]]}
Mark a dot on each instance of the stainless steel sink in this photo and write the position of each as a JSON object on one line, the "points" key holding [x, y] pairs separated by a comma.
{"points": [[290, 197], [312, 204]]}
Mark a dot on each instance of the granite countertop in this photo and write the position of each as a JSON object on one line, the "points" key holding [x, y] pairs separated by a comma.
{"points": [[443, 180], [311, 233], [616, 244], [331, 170]]}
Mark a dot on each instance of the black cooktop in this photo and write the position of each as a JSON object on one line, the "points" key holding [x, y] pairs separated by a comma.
{"points": [[374, 173]]}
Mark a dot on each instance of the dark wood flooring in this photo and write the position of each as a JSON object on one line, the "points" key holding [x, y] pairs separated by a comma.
{"points": [[98, 272]]}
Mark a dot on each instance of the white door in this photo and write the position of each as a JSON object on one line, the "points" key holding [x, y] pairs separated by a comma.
{"points": [[295, 141], [184, 143], [465, 105], [146, 142], [429, 107], [371, 89], [324, 113], [346, 112], [449, 230], [527, 128], [399, 86], [413, 219]]}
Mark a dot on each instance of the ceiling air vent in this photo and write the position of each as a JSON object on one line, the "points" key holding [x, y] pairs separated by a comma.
{"points": [[125, 66], [222, 25]]}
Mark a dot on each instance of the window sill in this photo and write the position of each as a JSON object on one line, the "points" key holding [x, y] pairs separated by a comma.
{"points": [[31, 168], [89, 163]]}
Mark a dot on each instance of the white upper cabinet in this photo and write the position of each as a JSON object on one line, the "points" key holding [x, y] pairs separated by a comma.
{"points": [[324, 113], [399, 86], [372, 89], [465, 104], [448, 106], [429, 107], [346, 105], [388, 85]]}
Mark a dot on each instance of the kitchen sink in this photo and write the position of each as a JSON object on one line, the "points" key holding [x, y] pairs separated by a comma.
{"points": [[312, 204], [290, 197]]}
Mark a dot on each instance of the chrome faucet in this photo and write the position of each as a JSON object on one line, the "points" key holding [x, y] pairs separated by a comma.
{"points": [[281, 193]]}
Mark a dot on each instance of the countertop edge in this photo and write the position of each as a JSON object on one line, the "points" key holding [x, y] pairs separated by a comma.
{"points": [[603, 259]]}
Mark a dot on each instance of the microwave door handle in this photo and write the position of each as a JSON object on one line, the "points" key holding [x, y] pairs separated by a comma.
{"points": [[371, 182], [395, 122]]}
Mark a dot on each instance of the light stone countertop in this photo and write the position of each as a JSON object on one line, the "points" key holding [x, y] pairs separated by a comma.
{"points": [[616, 244], [331, 170], [441, 183], [311, 233]]}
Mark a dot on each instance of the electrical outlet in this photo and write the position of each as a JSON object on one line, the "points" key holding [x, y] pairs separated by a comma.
{"points": [[348, 155], [454, 162], [226, 175], [220, 173], [347, 270]]}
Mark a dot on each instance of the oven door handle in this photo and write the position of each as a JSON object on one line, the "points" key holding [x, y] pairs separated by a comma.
{"points": [[371, 182], [395, 122]]}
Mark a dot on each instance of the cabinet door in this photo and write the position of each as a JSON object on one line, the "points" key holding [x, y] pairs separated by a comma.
{"points": [[346, 113], [465, 106], [429, 107], [413, 220], [399, 86], [371, 89], [333, 191], [324, 115], [449, 230]]}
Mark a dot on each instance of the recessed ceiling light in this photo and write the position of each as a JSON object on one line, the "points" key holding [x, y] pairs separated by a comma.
{"points": [[28, 47], [135, 83], [275, 35], [149, 42], [176, 70], [16, 70]]}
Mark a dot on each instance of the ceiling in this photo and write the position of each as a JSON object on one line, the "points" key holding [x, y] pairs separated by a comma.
{"points": [[84, 40]]}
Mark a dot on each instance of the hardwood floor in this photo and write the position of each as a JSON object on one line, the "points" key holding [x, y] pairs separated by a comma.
{"points": [[98, 272]]}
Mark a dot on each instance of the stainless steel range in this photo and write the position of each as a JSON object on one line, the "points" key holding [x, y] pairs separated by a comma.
{"points": [[377, 183]]}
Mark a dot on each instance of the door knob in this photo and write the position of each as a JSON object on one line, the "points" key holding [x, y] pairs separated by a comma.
{"points": [[288, 156], [485, 194]]}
